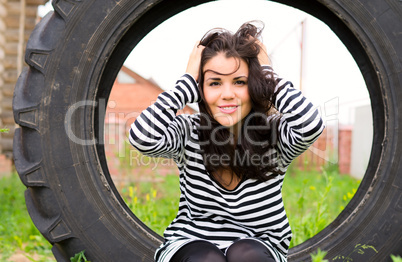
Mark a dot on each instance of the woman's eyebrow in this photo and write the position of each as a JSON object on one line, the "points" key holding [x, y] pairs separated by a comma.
{"points": [[219, 79], [214, 79], [236, 78]]}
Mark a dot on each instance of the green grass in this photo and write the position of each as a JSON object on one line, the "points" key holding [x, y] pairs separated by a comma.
{"points": [[312, 201], [17, 232], [155, 203]]}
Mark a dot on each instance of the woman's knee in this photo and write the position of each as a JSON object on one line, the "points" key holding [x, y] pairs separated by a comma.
{"points": [[248, 250], [199, 251], [208, 256]]}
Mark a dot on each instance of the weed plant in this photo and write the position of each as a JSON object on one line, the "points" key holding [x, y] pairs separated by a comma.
{"points": [[318, 256], [79, 257]]}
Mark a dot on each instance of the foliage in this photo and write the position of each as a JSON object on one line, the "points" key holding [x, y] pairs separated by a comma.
{"points": [[79, 257], [4, 130], [319, 256], [396, 258], [359, 249]]}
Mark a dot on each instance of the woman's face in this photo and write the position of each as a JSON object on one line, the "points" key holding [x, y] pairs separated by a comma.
{"points": [[227, 95]]}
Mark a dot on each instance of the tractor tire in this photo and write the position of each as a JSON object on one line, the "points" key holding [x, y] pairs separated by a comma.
{"points": [[74, 55]]}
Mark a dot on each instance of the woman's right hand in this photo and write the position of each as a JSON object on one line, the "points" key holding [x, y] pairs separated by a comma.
{"points": [[263, 55], [193, 66]]}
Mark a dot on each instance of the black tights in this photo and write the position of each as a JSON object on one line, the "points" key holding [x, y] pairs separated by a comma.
{"points": [[241, 251]]}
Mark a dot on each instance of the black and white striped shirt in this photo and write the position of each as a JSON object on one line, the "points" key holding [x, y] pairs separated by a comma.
{"points": [[207, 210]]}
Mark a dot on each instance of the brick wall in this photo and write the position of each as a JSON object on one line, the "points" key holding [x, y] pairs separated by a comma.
{"points": [[345, 149], [333, 146], [319, 152]]}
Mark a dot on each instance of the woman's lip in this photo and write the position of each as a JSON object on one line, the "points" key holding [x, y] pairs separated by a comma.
{"points": [[228, 109]]}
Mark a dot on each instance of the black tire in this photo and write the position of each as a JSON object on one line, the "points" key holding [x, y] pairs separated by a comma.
{"points": [[70, 195]]}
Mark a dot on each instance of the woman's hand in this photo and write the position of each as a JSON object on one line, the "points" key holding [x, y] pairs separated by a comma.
{"points": [[263, 55], [193, 66]]}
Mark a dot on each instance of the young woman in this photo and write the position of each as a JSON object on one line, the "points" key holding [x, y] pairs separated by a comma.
{"points": [[233, 155]]}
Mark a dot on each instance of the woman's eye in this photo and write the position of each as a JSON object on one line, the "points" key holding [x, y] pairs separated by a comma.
{"points": [[214, 84], [240, 82]]}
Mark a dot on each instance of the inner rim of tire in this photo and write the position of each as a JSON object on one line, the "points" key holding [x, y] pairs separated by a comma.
{"points": [[157, 15]]}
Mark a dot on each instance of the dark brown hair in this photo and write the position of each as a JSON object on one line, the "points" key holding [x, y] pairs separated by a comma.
{"points": [[251, 141]]}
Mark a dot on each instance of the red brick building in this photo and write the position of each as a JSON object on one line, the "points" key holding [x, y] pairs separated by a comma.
{"points": [[345, 149], [131, 94], [333, 146]]}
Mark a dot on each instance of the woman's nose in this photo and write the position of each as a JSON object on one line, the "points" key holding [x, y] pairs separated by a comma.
{"points": [[227, 92]]}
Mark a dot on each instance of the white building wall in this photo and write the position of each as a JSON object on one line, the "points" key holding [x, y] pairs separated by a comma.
{"points": [[362, 140]]}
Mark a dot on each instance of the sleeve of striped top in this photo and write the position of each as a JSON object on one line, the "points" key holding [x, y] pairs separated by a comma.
{"points": [[300, 122], [157, 131]]}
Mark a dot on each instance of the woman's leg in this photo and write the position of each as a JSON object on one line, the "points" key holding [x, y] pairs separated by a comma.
{"points": [[248, 250], [199, 251]]}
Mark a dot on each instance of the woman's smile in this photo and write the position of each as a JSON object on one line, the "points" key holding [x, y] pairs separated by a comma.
{"points": [[228, 109]]}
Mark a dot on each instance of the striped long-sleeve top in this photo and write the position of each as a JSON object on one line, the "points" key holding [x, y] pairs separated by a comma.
{"points": [[207, 210]]}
